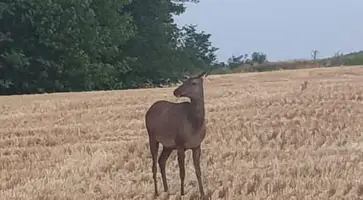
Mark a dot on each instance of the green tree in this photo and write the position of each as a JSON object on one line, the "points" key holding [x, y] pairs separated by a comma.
{"points": [[196, 49], [155, 41], [258, 57], [66, 45], [237, 61], [62, 45], [164, 51]]}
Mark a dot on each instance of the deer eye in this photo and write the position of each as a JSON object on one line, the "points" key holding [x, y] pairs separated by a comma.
{"points": [[193, 83]]}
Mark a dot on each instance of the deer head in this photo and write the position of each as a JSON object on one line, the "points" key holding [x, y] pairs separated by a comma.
{"points": [[191, 87]]}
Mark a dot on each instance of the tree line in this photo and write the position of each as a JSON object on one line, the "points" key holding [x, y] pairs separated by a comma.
{"points": [[83, 45], [80, 45]]}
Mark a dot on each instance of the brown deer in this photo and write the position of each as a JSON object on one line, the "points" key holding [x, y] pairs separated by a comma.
{"points": [[178, 126], [304, 86]]}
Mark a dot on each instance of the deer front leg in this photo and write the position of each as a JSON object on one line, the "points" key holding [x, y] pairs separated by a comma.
{"points": [[181, 159], [196, 161]]}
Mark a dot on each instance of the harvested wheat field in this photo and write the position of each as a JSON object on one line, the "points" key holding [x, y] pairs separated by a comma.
{"points": [[266, 139]]}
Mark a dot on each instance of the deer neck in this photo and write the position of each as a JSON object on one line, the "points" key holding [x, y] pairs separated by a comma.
{"points": [[197, 111]]}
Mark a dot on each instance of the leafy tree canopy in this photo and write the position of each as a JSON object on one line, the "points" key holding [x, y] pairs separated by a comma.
{"points": [[74, 45]]}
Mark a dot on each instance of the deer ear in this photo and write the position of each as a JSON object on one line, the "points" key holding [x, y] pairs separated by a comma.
{"points": [[203, 75], [186, 77]]}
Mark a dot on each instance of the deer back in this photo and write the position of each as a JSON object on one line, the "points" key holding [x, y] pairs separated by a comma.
{"points": [[173, 125]]}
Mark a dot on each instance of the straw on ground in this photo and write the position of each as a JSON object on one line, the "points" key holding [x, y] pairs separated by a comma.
{"points": [[266, 139]]}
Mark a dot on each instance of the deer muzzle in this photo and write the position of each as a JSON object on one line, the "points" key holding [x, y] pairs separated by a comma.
{"points": [[177, 93]]}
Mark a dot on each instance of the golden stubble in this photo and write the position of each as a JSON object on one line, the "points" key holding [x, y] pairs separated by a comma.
{"points": [[266, 139]]}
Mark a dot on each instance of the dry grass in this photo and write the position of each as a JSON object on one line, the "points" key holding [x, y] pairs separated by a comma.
{"points": [[266, 140]]}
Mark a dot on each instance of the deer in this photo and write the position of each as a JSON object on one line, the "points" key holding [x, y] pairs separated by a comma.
{"points": [[303, 86], [178, 126]]}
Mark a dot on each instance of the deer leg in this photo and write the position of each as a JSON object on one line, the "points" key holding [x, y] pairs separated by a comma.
{"points": [[154, 147], [196, 161], [181, 159], [162, 162]]}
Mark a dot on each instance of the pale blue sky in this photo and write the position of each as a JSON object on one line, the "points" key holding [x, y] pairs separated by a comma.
{"points": [[283, 29]]}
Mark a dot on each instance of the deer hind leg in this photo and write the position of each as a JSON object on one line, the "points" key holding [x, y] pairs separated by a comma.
{"points": [[196, 162], [162, 162], [181, 162], [154, 147]]}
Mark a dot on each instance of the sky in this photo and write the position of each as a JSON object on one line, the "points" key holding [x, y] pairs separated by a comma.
{"points": [[283, 29]]}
